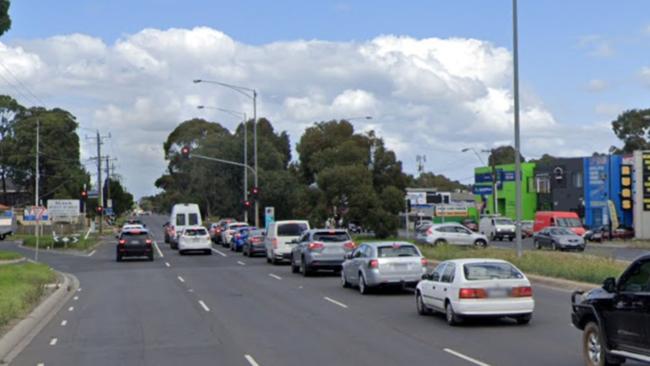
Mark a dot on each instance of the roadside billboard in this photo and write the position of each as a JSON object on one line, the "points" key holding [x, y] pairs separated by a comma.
{"points": [[63, 210]]}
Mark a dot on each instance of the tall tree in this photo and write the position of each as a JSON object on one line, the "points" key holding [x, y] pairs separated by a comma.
{"points": [[9, 109], [122, 200], [503, 155], [633, 128], [5, 20], [431, 180]]}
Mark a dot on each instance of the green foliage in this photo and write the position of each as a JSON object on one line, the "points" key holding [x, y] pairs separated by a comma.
{"points": [[6, 255], [122, 200], [21, 287], [5, 20], [503, 155], [633, 128], [431, 180]]}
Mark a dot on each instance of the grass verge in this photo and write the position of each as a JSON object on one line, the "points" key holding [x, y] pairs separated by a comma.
{"points": [[21, 287], [48, 241], [6, 255]]}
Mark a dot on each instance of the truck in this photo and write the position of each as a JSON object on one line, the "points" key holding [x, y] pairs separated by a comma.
{"points": [[7, 222]]}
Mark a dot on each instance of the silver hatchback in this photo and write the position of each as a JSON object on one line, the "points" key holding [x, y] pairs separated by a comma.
{"points": [[378, 264]]}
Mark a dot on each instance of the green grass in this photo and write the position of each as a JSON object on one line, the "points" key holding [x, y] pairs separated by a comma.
{"points": [[7, 255], [570, 266], [47, 241], [21, 287]]}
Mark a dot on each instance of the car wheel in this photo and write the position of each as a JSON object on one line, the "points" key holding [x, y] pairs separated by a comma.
{"points": [[524, 319], [208, 252], [181, 252], [481, 243], [344, 280], [511, 238], [118, 258], [274, 260], [554, 246], [421, 307], [363, 286], [294, 267], [538, 246], [243, 252], [304, 268], [593, 348], [151, 257], [450, 315], [439, 242]]}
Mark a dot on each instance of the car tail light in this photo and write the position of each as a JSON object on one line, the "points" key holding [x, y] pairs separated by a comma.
{"points": [[424, 262], [122, 242], [315, 246], [472, 293], [430, 231], [522, 291], [148, 242], [274, 242], [349, 245], [373, 263]]}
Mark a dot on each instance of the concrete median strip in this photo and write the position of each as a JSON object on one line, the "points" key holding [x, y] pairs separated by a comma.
{"points": [[19, 337]]}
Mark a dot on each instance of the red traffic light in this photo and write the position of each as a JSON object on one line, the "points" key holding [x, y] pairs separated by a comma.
{"points": [[247, 203], [255, 191], [99, 209], [185, 151], [84, 194]]}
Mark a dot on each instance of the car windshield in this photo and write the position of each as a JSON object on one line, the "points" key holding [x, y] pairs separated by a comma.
{"points": [[292, 229], [490, 271], [568, 222], [397, 250], [331, 236], [195, 232], [503, 222], [561, 231]]}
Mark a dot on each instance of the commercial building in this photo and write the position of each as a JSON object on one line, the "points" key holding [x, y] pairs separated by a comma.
{"points": [[484, 178]]}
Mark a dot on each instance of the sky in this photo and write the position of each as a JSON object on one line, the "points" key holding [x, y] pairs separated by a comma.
{"points": [[436, 76]]}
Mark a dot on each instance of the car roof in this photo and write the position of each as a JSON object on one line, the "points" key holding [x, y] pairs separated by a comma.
{"points": [[462, 261], [384, 243], [328, 230], [194, 227]]}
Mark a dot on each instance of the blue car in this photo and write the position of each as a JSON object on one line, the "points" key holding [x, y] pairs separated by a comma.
{"points": [[239, 238]]}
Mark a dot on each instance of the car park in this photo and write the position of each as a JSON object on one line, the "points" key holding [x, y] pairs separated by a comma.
{"points": [[558, 238], [455, 234], [497, 227], [379, 264], [615, 319], [134, 242], [229, 230], [183, 215], [254, 243], [467, 288], [320, 249], [194, 238], [278, 236]]}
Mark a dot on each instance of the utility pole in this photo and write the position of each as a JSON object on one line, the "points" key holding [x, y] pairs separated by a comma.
{"points": [[257, 203], [515, 61], [100, 192], [37, 178], [108, 181]]}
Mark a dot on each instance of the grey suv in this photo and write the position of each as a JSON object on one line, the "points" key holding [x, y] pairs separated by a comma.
{"points": [[320, 249]]}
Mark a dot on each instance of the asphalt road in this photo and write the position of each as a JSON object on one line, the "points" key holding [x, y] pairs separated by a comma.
{"points": [[226, 309]]}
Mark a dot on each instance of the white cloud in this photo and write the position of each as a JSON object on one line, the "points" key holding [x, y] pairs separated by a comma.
{"points": [[597, 85], [645, 75], [597, 46], [427, 96]]}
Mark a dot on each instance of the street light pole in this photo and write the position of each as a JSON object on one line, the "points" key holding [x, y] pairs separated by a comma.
{"points": [[36, 188], [515, 60]]}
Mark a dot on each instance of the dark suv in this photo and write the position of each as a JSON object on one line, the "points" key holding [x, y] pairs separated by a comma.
{"points": [[615, 319], [134, 243]]}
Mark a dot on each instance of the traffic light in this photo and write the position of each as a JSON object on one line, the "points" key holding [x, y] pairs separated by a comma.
{"points": [[626, 187], [254, 193], [84, 195], [99, 209], [185, 152], [247, 204]]}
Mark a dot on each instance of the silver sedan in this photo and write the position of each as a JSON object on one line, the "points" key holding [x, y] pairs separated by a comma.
{"points": [[379, 264]]}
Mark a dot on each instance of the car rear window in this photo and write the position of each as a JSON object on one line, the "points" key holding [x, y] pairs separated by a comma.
{"points": [[195, 232], [326, 236], [398, 251], [180, 219], [292, 229], [491, 271], [134, 235], [503, 222]]}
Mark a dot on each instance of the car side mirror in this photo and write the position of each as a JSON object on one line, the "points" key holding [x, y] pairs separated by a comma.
{"points": [[609, 284], [348, 255], [435, 277], [426, 276], [294, 241]]}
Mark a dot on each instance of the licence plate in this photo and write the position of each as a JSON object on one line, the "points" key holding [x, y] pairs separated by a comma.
{"points": [[497, 292], [135, 242]]}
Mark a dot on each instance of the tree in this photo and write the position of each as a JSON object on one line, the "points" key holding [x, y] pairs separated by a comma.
{"points": [[9, 109], [122, 200], [503, 155], [5, 20], [633, 128], [545, 159], [440, 182]]}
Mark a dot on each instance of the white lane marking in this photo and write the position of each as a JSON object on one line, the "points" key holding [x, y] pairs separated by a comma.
{"points": [[181, 279], [241, 263], [219, 252], [275, 276], [79, 289], [155, 245], [75, 298], [91, 253], [71, 308], [167, 264], [203, 305], [41, 364], [53, 341], [251, 360], [64, 323], [335, 302], [466, 358]]}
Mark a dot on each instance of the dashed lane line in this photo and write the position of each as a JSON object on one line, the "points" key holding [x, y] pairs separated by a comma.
{"points": [[53, 342], [75, 298], [275, 276], [335, 302], [204, 306], [64, 323], [465, 357], [71, 308], [219, 252], [167, 264], [181, 279], [241, 263], [160, 253], [251, 360]]}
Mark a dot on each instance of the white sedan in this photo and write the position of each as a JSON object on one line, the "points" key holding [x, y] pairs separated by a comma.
{"points": [[453, 233], [464, 288], [194, 238]]}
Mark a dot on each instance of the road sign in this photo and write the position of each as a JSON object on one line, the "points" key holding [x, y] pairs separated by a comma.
{"points": [[63, 210], [269, 216]]}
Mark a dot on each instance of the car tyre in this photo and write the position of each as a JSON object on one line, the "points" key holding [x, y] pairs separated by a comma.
{"points": [[304, 268], [524, 319], [118, 258], [450, 315], [439, 242], [150, 257], [244, 253], [511, 238], [344, 280], [294, 267], [363, 286], [538, 246], [481, 243], [420, 306], [208, 252], [181, 252], [593, 349]]}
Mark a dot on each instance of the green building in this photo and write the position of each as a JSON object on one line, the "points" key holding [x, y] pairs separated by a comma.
{"points": [[483, 183]]}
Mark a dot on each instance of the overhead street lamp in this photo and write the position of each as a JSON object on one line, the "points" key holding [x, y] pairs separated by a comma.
{"points": [[252, 94], [243, 117]]}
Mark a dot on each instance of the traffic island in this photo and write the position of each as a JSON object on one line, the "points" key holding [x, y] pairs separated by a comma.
{"points": [[48, 242]]}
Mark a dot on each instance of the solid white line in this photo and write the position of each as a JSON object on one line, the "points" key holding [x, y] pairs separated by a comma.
{"points": [[203, 305], [466, 358], [167, 264], [53, 342], [91, 253], [251, 360], [219, 252], [241, 263], [336, 302], [71, 308], [181, 279], [158, 250], [275, 276], [64, 323]]}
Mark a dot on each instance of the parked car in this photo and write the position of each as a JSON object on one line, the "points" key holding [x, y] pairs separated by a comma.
{"points": [[467, 288], [454, 234], [318, 249], [470, 224], [421, 233], [254, 243], [615, 319], [229, 230], [527, 228], [7, 223], [569, 220], [378, 264], [602, 233], [559, 238], [278, 236], [239, 237], [419, 224], [194, 238], [497, 227], [182, 216], [134, 242]]}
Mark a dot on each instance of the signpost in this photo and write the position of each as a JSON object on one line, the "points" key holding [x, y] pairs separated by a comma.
{"points": [[63, 210], [269, 216]]}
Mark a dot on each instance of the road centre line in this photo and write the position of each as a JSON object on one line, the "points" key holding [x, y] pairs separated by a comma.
{"points": [[64, 323], [241, 263], [91, 253], [275, 276], [335, 302], [251, 360], [71, 308], [181, 279], [203, 305], [40, 364], [53, 341], [167, 264], [464, 357], [75, 298], [160, 253], [219, 252]]}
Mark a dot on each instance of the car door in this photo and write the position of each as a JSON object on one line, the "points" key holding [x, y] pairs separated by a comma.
{"points": [[429, 287], [352, 267], [543, 238], [443, 289], [627, 320], [299, 248], [464, 235]]}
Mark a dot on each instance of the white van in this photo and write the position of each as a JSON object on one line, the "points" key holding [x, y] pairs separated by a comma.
{"points": [[278, 236], [183, 215], [497, 227]]}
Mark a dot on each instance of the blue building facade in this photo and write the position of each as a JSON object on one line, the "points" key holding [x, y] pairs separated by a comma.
{"points": [[602, 183]]}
